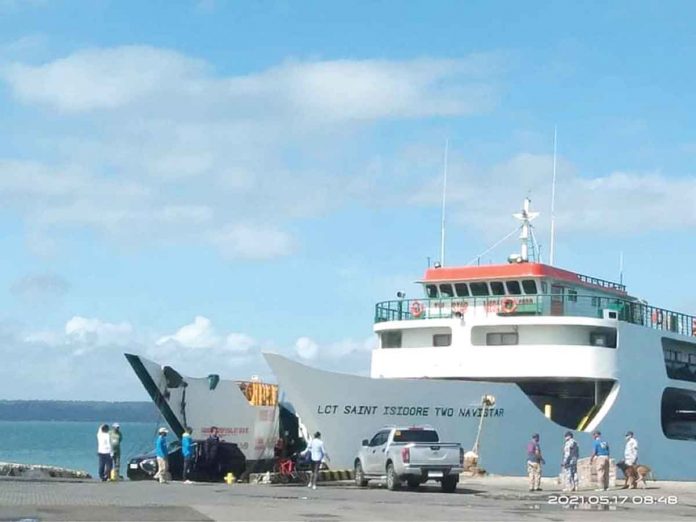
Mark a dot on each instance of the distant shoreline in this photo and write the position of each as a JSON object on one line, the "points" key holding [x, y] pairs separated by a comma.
{"points": [[90, 411]]}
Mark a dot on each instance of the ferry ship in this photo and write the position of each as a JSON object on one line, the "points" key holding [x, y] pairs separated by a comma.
{"points": [[491, 354]]}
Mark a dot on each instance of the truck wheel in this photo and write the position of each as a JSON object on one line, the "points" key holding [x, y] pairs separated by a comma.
{"points": [[360, 479], [449, 483], [393, 482], [413, 483]]}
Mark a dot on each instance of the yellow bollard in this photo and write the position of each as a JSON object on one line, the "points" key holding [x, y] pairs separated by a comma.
{"points": [[229, 478]]}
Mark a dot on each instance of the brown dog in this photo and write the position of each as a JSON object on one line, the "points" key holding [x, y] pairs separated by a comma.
{"points": [[634, 475]]}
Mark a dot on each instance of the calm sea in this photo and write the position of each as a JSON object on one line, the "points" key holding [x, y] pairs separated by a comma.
{"points": [[68, 444]]}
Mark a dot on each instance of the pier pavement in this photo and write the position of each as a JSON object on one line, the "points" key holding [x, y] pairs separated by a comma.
{"points": [[480, 499]]}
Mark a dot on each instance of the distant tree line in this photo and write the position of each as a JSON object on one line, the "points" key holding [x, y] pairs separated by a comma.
{"points": [[95, 411]]}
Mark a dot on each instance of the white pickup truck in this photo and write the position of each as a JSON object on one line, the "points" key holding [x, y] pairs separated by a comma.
{"points": [[413, 454]]}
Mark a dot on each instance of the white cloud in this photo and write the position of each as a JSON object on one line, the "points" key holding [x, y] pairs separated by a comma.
{"points": [[100, 78], [199, 334], [483, 198], [306, 348], [95, 332], [85, 358], [158, 147], [336, 90]]}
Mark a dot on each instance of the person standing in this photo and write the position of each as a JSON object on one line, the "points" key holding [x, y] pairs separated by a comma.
{"points": [[162, 456], [104, 452], [534, 462], [187, 452], [600, 455], [115, 438], [212, 450], [631, 460], [315, 448], [571, 453]]}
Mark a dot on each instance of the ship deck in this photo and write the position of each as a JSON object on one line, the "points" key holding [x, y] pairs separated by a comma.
{"points": [[484, 498]]}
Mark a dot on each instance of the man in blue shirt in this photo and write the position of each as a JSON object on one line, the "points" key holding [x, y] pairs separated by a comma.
{"points": [[187, 452], [162, 456], [600, 455]]}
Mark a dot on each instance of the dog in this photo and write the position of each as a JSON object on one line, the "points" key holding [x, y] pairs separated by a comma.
{"points": [[639, 473]]}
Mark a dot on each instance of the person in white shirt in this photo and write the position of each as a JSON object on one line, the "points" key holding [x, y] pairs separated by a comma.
{"points": [[631, 459], [104, 452], [317, 453]]}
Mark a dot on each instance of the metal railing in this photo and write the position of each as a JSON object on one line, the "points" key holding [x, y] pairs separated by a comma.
{"points": [[541, 305]]}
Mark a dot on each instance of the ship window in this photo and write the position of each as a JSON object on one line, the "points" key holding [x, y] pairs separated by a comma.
{"points": [[479, 289], [573, 296], [544, 287], [680, 359], [595, 302], [679, 414], [513, 287], [446, 290], [442, 339], [391, 339], [431, 290], [501, 338], [603, 337], [529, 286], [497, 288], [462, 289]]}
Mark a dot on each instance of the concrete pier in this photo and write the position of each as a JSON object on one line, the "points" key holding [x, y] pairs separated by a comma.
{"points": [[480, 499]]}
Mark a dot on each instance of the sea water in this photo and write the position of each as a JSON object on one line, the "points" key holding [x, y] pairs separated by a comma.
{"points": [[69, 444]]}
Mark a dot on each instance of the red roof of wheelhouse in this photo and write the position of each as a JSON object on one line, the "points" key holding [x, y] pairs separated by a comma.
{"points": [[516, 271]]}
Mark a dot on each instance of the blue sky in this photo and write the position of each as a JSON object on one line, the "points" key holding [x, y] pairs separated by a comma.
{"points": [[201, 181]]}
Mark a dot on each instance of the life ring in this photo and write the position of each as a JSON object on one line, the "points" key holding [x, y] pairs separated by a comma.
{"points": [[693, 327], [657, 317], [508, 305], [416, 309]]}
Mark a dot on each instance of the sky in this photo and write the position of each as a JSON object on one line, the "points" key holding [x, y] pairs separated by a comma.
{"points": [[201, 181]]}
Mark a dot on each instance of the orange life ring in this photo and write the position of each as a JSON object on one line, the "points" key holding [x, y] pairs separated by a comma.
{"points": [[657, 317], [508, 305], [416, 309]]}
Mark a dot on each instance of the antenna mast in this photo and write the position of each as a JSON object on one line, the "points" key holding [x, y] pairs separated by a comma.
{"points": [[553, 201], [526, 216], [444, 201]]}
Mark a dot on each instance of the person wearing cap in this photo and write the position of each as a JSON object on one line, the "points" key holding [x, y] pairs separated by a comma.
{"points": [[115, 438], [630, 460], [571, 453], [534, 462], [600, 456], [162, 456]]}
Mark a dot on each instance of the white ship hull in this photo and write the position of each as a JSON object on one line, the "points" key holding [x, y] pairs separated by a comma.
{"points": [[194, 403], [347, 409]]}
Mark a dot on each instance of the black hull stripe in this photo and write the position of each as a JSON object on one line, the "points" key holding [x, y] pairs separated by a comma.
{"points": [[155, 394]]}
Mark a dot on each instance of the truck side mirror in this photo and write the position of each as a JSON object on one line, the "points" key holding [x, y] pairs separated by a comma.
{"points": [[365, 442]]}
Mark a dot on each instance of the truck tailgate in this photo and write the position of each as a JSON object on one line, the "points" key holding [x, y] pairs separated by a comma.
{"points": [[434, 454]]}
